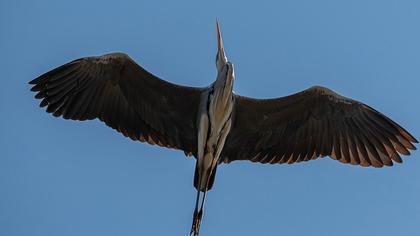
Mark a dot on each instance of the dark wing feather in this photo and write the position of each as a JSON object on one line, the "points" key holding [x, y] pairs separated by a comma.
{"points": [[116, 90], [314, 123]]}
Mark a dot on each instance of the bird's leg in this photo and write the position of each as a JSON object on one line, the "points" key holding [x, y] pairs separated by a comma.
{"points": [[194, 228], [196, 202], [204, 199], [213, 166], [198, 214]]}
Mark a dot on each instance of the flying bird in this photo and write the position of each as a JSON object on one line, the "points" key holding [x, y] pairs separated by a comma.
{"points": [[215, 125]]}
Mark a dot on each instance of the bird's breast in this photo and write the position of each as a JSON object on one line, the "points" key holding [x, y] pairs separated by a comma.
{"points": [[219, 113], [214, 124]]}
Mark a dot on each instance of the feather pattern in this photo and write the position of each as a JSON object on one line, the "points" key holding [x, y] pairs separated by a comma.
{"points": [[117, 91], [314, 123]]}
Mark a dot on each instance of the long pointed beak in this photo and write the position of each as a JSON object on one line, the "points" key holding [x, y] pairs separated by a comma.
{"points": [[219, 38], [221, 50]]}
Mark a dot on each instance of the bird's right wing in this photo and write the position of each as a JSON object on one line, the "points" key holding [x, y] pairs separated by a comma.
{"points": [[313, 123], [125, 96]]}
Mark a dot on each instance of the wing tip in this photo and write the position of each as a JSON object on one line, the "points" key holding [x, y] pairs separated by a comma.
{"points": [[37, 80]]}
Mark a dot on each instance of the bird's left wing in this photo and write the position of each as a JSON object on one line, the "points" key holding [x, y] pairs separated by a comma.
{"points": [[125, 96], [313, 123]]}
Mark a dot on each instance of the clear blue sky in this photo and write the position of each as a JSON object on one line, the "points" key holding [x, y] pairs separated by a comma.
{"points": [[68, 178]]}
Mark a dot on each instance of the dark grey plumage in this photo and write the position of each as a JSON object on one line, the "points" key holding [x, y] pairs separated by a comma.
{"points": [[114, 89], [314, 123]]}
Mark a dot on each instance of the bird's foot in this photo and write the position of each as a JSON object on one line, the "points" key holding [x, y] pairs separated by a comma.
{"points": [[195, 228]]}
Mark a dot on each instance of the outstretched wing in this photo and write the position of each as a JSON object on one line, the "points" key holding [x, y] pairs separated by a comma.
{"points": [[313, 123], [125, 96]]}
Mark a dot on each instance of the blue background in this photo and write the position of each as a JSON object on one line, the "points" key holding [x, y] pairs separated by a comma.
{"points": [[61, 177]]}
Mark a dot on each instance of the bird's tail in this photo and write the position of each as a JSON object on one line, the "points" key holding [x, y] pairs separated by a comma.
{"points": [[211, 180]]}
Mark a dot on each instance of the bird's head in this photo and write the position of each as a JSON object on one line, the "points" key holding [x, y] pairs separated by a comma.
{"points": [[221, 59]]}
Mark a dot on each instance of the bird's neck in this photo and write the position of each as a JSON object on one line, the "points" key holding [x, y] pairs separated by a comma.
{"points": [[225, 79]]}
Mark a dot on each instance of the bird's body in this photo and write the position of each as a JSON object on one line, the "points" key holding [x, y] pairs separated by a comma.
{"points": [[215, 121], [217, 126]]}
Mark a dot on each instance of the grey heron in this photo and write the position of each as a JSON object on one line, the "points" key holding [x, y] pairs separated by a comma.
{"points": [[215, 125]]}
